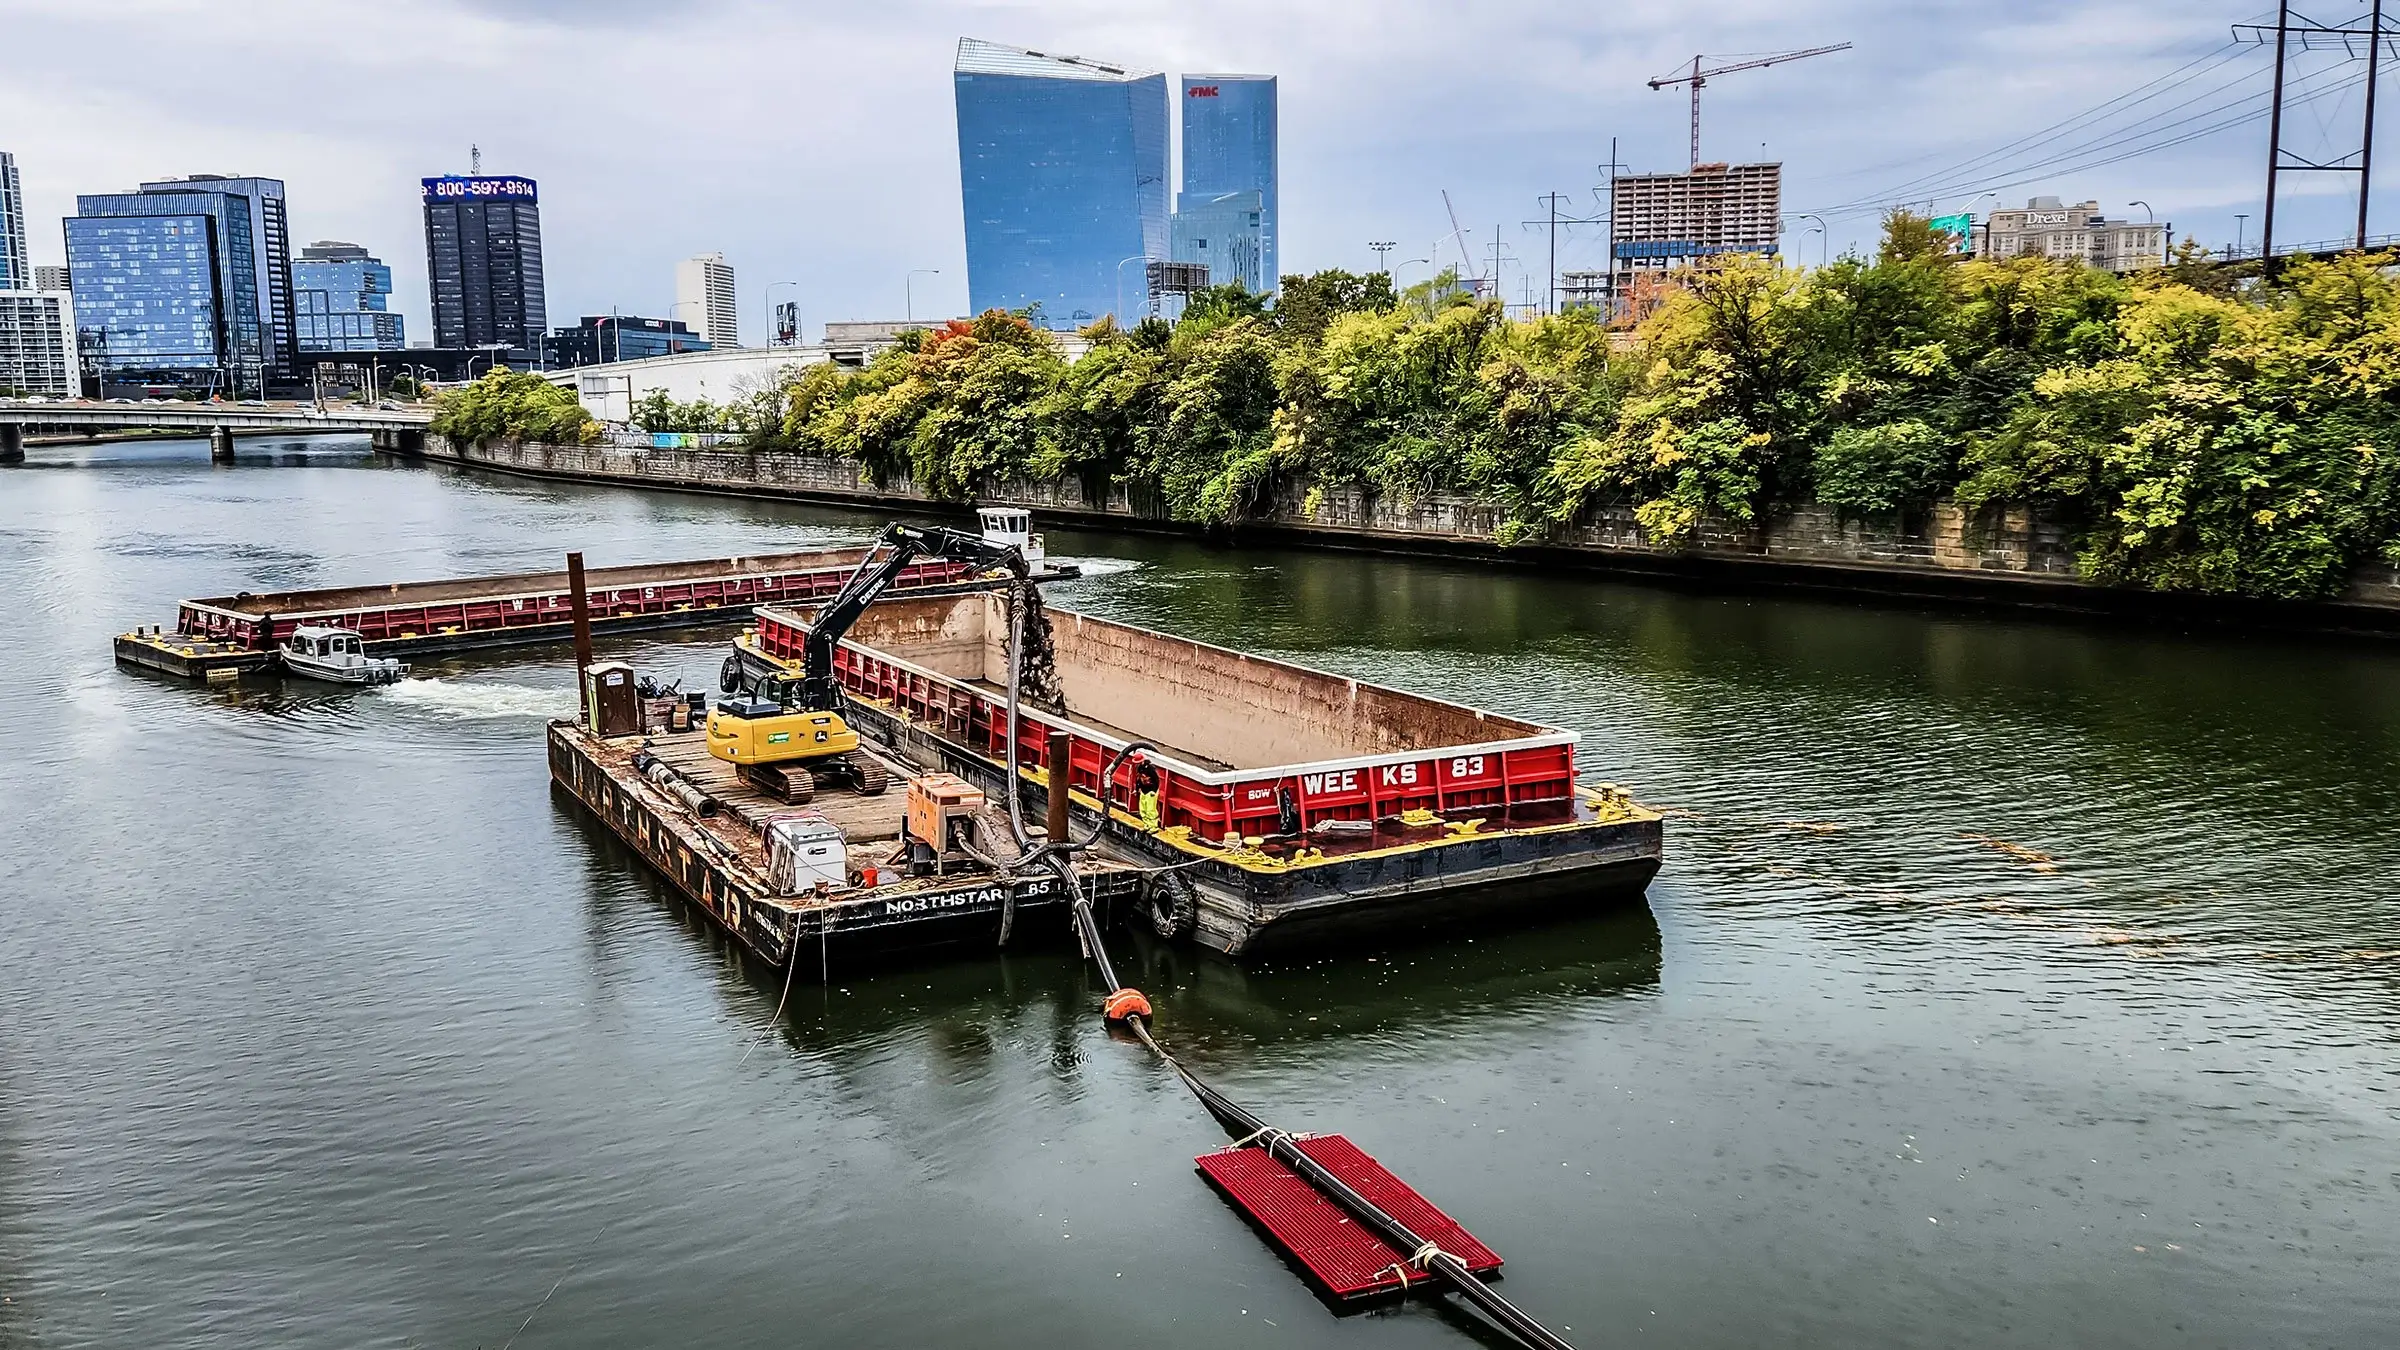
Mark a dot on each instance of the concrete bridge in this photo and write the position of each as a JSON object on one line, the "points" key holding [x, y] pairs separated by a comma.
{"points": [[218, 421]]}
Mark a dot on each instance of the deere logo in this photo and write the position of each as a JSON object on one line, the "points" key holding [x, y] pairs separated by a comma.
{"points": [[778, 737]]}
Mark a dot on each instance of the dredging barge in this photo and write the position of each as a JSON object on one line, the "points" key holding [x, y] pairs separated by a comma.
{"points": [[1280, 803]]}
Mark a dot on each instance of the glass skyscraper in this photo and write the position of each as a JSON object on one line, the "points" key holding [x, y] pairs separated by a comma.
{"points": [[270, 258], [339, 291], [166, 288], [15, 273], [483, 256], [1223, 233], [1062, 165], [1229, 146]]}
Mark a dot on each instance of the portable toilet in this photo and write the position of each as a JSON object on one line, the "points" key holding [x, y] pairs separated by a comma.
{"points": [[611, 700]]}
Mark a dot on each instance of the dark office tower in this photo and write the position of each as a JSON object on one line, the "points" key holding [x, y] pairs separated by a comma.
{"points": [[483, 255], [1229, 147], [270, 255]]}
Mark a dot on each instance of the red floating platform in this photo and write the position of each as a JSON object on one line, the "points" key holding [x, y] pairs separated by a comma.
{"points": [[1346, 1259]]}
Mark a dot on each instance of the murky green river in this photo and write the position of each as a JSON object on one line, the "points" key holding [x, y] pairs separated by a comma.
{"points": [[2010, 982]]}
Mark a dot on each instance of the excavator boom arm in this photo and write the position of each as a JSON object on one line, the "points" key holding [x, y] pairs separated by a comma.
{"points": [[897, 547]]}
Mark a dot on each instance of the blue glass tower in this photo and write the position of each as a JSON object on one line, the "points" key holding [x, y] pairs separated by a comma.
{"points": [[339, 291], [167, 285], [1223, 233], [1229, 146], [1062, 164]]}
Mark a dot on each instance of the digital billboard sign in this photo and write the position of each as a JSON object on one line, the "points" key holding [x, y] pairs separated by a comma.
{"points": [[460, 188]]}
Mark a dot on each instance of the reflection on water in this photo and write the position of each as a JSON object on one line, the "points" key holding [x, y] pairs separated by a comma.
{"points": [[2009, 981]]}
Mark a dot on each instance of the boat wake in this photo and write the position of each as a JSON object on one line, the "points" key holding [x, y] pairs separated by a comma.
{"points": [[480, 700], [1101, 567]]}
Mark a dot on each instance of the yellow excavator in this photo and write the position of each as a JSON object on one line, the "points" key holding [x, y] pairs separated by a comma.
{"points": [[786, 733]]}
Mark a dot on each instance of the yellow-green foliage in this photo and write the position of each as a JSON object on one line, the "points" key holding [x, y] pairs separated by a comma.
{"points": [[506, 403], [2198, 435]]}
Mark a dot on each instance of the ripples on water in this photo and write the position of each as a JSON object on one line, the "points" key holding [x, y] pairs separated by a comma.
{"points": [[2013, 983]]}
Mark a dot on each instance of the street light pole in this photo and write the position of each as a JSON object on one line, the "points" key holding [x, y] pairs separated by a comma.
{"points": [[908, 301], [1140, 258], [1383, 249]]}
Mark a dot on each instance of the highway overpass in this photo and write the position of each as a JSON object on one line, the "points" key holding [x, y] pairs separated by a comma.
{"points": [[220, 422]]}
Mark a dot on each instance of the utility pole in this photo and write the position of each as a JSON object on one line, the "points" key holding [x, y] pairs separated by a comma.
{"points": [[1383, 249], [1614, 168], [2366, 144], [1555, 220]]}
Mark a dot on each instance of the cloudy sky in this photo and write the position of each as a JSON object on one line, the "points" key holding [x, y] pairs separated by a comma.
{"points": [[815, 143]]}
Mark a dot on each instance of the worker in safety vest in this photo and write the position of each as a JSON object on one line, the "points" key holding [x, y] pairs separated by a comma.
{"points": [[1145, 789]]}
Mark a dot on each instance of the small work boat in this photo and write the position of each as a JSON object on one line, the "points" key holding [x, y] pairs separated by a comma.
{"points": [[338, 655]]}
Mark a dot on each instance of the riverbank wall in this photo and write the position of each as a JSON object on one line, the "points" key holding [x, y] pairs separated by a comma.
{"points": [[2009, 557]]}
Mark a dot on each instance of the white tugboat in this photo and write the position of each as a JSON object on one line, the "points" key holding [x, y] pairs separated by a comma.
{"points": [[338, 655]]}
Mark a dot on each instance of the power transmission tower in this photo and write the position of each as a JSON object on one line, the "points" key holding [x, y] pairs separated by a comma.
{"points": [[2287, 31]]}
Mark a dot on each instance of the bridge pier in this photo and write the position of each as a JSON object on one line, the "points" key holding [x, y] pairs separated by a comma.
{"points": [[220, 444], [12, 442]]}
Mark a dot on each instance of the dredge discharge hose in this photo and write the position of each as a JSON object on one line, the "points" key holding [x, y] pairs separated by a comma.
{"points": [[1127, 1007]]}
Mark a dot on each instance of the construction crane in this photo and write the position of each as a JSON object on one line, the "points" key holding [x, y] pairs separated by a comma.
{"points": [[1700, 74], [1459, 233]]}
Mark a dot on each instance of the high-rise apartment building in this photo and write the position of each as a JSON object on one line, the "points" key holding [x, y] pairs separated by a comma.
{"points": [[704, 294], [51, 277], [270, 255], [37, 322], [340, 292], [483, 260], [37, 344], [1062, 166], [182, 283], [1229, 143], [15, 273], [1659, 221]]}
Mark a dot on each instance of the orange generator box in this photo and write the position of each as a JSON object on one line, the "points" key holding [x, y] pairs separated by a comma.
{"points": [[933, 801]]}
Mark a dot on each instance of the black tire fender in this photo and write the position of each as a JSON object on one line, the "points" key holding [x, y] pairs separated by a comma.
{"points": [[729, 675], [1171, 905]]}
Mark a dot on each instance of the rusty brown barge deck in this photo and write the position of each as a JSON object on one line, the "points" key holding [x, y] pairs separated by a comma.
{"points": [[718, 863], [223, 637]]}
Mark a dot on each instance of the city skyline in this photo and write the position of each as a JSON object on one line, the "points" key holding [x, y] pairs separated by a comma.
{"points": [[1376, 126]]}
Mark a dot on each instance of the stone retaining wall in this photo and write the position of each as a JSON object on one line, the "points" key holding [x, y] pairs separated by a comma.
{"points": [[1952, 552]]}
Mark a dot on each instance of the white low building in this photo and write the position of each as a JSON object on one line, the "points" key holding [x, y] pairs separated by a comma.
{"points": [[609, 392], [37, 344]]}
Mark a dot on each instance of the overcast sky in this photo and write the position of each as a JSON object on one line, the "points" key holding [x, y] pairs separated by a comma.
{"points": [[816, 143]]}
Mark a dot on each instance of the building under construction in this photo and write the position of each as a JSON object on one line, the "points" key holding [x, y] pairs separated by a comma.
{"points": [[1661, 221]]}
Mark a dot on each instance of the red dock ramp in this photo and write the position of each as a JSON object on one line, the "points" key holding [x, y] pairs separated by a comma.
{"points": [[1346, 1259]]}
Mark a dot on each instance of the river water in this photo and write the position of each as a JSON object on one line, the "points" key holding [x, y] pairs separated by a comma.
{"points": [[2009, 983]]}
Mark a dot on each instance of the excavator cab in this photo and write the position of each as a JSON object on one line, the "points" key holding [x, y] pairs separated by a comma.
{"points": [[779, 744], [785, 733]]}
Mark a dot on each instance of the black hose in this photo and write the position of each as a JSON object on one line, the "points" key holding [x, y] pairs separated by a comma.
{"points": [[1238, 1120]]}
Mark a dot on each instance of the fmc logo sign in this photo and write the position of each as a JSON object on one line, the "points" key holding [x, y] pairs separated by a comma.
{"points": [[1201, 91]]}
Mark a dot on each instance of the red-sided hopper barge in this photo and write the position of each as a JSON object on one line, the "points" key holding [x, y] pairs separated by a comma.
{"points": [[1296, 801]]}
